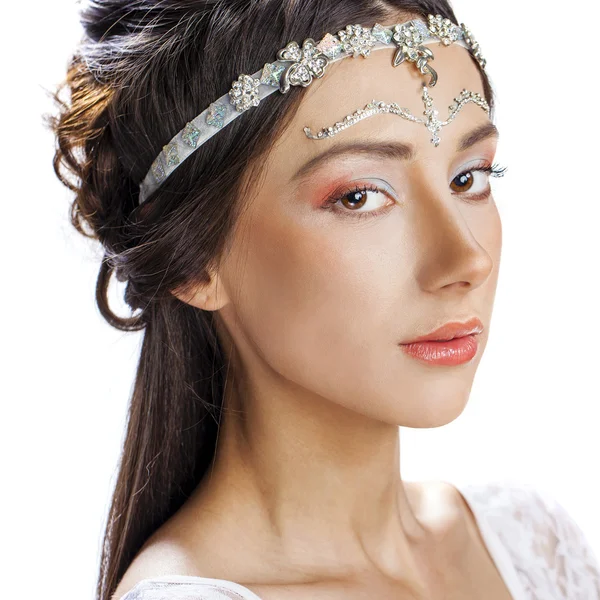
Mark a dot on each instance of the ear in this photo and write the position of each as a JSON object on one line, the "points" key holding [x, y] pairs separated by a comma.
{"points": [[209, 294]]}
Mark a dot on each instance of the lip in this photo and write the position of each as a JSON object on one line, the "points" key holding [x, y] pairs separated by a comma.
{"points": [[457, 351], [450, 331]]}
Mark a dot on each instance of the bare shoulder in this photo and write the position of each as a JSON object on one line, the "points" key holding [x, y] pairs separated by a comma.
{"points": [[161, 555], [438, 504], [443, 511]]}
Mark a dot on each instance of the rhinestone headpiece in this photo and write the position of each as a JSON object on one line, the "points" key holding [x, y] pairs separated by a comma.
{"points": [[299, 66]]}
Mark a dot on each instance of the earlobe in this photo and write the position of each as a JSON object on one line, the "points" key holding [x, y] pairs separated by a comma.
{"points": [[204, 295]]}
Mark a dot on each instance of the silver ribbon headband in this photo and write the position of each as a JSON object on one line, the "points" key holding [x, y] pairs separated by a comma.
{"points": [[298, 66]]}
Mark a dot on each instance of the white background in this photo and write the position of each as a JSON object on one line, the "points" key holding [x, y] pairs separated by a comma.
{"points": [[533, 415]]}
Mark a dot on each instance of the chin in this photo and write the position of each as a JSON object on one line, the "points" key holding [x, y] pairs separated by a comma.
{"points": [[440, 417], [428, 406]]}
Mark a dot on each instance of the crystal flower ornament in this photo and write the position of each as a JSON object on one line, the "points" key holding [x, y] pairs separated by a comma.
{"points": [[443, 29], [357, 40], [307, 62], [409, 39], [244, 92]]}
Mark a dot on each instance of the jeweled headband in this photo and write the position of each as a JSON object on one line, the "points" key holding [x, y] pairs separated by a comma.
{"points": [[298, 66]]}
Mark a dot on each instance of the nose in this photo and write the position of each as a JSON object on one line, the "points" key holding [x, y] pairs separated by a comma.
{"points": [[451, 237]]}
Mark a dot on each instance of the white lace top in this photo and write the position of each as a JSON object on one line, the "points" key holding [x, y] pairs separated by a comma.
{"points": [[539, 549]]}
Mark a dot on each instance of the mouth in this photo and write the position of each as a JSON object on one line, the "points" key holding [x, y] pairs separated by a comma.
{"points": [[456, 351], [451, 331]]}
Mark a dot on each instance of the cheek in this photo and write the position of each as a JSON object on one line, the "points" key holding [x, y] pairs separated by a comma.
{"points": [[320, 294]]}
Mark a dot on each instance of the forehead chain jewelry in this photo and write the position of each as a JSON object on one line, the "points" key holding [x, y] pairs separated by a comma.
{"points": [[300, 65], [431, 120]]}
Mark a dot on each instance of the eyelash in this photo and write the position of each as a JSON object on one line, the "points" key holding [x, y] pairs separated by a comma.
{"points": [[495, 170]]}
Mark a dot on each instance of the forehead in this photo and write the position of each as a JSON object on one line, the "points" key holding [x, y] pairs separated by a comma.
{"points": [[351, 83]]}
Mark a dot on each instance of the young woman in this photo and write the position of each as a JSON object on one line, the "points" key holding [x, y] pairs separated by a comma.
{"points": [[286, 280]]}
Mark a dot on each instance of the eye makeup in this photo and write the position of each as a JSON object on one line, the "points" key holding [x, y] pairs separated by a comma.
{"points": [[361, 192]]}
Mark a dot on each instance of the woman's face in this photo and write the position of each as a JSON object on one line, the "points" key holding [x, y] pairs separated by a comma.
{"points": [[320, 295]]}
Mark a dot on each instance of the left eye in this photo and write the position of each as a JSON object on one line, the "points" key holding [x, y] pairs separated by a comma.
{"points": [[474, 181]]}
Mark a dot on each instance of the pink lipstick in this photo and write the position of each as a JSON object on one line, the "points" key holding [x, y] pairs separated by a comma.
{"points": [[453, 344]]}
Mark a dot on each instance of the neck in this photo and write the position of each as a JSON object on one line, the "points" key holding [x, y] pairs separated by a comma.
{"points": [[305, 482]]}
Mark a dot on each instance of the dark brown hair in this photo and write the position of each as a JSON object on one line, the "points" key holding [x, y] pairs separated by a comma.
{"points": [[142, 70]]}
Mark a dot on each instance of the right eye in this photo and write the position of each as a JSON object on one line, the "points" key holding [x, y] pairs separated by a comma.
{"points": [[354, 199]]}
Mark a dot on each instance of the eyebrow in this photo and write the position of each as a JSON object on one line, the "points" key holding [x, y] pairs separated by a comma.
{"points": [[390, 150]]}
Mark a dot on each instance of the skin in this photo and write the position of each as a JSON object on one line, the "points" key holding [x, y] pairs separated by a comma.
{"points": [[306, 490]]}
